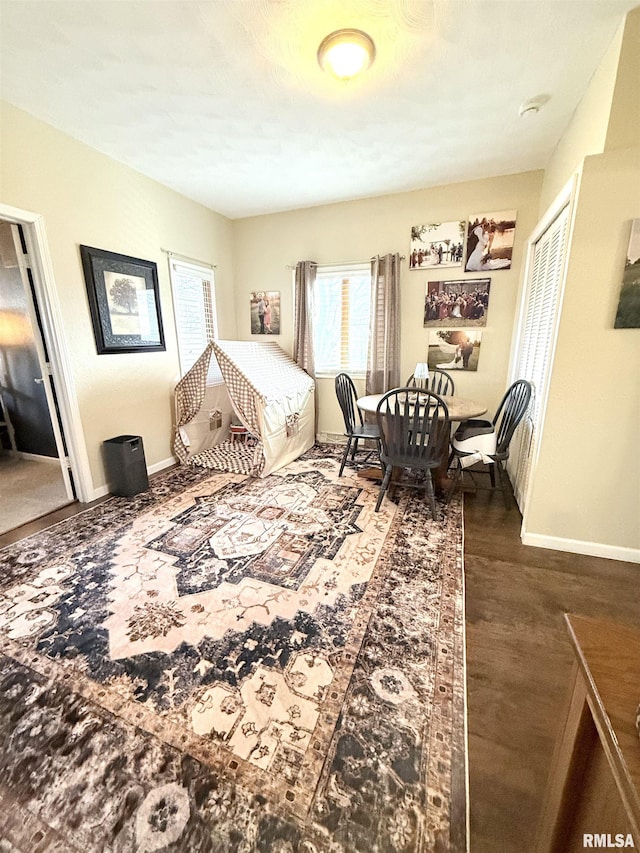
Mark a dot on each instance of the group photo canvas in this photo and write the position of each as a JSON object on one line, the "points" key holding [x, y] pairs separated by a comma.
{"points": [[461, 302]]}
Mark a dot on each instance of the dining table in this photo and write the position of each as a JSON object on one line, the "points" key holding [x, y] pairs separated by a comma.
{"points": [[459, 408]]}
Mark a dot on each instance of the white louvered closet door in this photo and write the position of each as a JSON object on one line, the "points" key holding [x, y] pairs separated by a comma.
{"points": [[536, 343]]}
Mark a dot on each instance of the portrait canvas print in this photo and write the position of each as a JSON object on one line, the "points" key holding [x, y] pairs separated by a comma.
{"points": [[490, 241], [265, 312], [628, 313], [462, 302], [439, 244], [454, 349]]}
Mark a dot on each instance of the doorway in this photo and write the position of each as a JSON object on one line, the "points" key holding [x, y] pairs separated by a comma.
{"points": [[35, 475]]}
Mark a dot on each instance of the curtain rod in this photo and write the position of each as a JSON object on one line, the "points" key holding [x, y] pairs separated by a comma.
{"points": [[188, 260], [342, 263]]}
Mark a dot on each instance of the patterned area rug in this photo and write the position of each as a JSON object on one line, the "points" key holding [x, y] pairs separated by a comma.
{"points": [[233, 664]]}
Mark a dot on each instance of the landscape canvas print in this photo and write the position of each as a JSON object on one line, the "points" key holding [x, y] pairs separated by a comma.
{"points": [[454, 349], [462, 302], [490, 239], [628, 313], [439, 244]]}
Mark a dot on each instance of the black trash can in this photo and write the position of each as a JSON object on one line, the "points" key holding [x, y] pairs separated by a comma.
{"points": [[125, 465]]}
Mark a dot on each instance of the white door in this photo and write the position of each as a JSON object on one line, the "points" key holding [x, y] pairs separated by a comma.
{"points": [[43, 382], [536, 341]]}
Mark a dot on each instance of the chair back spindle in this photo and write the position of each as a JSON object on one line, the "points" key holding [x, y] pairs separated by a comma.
{"points": [[439, 382]]}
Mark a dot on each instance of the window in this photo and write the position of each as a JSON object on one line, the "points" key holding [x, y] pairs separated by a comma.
{"points": [[342, 304], [194, 307]]}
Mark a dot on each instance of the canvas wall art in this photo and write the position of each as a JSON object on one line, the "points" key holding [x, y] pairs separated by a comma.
{"points": [[490, 239], [439, 244], [454, 349], [462, 302], [124, 301], [265, 312], [628, 313]]}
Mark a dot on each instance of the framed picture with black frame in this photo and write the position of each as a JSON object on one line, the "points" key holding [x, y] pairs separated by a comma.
{"points": [[124, 301]]}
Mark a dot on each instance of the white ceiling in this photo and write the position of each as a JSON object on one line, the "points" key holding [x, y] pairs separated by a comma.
{"points": [[224, 100]]}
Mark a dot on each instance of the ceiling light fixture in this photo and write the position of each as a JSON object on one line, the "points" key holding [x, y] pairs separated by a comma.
{"points": [[346, 53]]}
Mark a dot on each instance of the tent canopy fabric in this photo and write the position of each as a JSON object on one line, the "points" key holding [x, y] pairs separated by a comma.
{"points": [[272, 397]]}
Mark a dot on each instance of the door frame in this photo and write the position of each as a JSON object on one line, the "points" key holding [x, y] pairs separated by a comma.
{"points": [[24, 267], [53, 333], [566, 198]]}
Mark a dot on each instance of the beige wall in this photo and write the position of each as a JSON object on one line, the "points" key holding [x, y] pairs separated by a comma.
{"points": [[624, 122], [594, 397], [587, 131], [87, 198], [587, 481], [265, 245]]}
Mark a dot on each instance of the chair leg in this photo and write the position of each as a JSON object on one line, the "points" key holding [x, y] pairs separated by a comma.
{"points": [[457, 473], [355, 449], [344, 457], [492, 475], [504, 486], [431, 495], [383, 486]]}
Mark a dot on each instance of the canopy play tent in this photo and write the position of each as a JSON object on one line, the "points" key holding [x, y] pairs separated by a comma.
{"points": [[271, 396]]}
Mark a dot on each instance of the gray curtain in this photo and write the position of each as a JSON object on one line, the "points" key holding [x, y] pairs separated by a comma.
{"points": [[303, 328], [383, 362]]}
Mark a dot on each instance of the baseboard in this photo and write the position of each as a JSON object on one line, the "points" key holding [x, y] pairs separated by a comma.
{"points": [[160, 466], [575, 546], [36, 457], [339, 438], [102, 491], [331, 438]]}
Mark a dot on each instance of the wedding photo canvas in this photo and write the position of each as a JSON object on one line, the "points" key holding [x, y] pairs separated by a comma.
{"points": [[490, 239], [440, 244], [454, 349]]}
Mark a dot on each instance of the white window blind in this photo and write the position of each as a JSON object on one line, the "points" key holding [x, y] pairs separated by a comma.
{"points": [[537, 339], [342, 304], [194, 307]]}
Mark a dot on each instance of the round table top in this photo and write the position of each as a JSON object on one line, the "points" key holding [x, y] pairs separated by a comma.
{"points": [[460, 409]]}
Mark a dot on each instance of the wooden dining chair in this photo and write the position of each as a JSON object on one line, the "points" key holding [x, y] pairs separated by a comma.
{"points": [[440, 382], [355, 428], [483, 442], [414, 434]]}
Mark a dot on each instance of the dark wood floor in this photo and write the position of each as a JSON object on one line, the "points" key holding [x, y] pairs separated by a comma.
{"points": [[519, 662], [518, 659], [45, 521]]}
